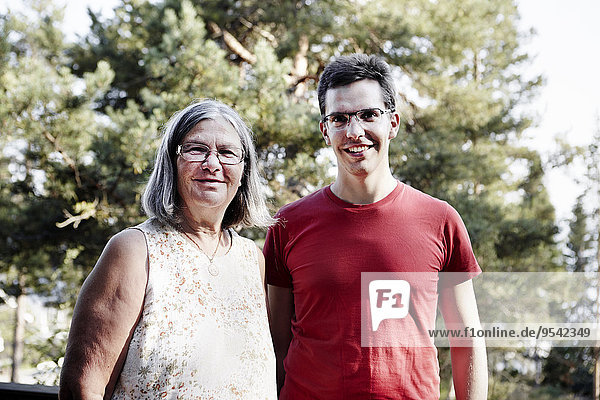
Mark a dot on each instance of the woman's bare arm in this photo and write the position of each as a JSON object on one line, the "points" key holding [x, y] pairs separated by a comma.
{"points": [[105, 315]]}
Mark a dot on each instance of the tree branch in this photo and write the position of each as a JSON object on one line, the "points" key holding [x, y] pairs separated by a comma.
{"points": [[266, 34], [233, 44], [67, 158], [89, 211]]}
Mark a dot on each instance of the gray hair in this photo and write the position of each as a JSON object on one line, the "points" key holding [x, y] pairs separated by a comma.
{"points": [[161, 199]]}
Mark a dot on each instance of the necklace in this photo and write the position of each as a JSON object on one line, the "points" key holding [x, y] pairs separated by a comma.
{"points": [[212, 269]]}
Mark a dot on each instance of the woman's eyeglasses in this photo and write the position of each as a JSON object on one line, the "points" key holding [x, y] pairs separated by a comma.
{"points": [[198, 152]]}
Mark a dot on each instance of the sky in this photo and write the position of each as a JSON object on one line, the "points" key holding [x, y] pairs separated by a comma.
{"points": [[565, 49], [567, 53]]}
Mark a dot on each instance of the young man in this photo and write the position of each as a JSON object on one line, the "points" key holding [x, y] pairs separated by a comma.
{"points": [[365, 222]]}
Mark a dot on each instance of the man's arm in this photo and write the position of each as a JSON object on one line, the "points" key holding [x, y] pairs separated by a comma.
{"points": [[469, 363], [281, 307]]}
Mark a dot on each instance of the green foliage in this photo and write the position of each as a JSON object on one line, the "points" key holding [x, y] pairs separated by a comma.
{"points": [[516, 390], [571, 369], [580, 240]]}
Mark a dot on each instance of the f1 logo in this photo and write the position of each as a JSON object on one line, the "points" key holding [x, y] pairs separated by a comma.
{"points": [[389, 299]]}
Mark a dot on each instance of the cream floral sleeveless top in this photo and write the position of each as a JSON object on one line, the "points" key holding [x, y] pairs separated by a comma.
{"points": [[200, 336]]}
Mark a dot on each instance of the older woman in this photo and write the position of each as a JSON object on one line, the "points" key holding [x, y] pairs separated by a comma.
{"points": [[175, 307]]}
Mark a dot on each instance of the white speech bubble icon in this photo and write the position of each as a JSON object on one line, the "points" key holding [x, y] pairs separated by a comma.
{"points": [[389, 299]]}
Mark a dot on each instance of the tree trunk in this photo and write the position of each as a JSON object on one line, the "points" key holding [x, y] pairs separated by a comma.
{"points": [[596, 182], [301, 66], [596, 349], [19, 336], [596, 374]]}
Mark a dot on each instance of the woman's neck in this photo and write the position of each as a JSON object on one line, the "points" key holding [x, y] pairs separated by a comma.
{"points": [[198, 226]]}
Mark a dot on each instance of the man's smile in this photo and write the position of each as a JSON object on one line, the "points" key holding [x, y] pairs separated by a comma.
{"points": [[357, 149]]}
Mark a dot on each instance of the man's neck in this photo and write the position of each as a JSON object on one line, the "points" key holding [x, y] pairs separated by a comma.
{"points": [[363, 190]]}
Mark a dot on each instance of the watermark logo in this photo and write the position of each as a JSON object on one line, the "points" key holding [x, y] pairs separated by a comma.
{"points": [[389, 299], [514, 309], [397, 308]]}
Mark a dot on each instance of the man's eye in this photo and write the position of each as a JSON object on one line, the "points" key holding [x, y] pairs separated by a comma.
{"points": [[368, 115], [339, 119]]}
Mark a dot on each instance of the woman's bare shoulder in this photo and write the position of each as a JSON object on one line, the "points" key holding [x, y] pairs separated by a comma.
{"points": [[125, 254], [129, 244]]}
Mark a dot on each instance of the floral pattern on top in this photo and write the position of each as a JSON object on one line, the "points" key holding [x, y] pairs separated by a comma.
{"points": [[199, 336]]}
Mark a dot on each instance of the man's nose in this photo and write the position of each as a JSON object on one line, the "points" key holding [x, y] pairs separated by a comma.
{"points": [[354, 129]]}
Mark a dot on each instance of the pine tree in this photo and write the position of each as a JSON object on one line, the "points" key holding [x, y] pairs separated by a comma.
{"points": [[64, 184]]}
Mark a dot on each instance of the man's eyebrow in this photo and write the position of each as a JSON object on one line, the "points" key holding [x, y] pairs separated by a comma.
{"points": [[339, 112], [353, 111]]}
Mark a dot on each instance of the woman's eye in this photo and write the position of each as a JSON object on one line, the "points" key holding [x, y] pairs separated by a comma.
{"points": [[196, 149]]}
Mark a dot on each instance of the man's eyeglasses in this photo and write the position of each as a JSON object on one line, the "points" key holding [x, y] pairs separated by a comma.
{"points": [[198, 152], [366, 117]]}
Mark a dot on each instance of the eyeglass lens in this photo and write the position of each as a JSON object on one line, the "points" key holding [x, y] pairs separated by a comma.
{"points": [[365, 116], [197, 152]]}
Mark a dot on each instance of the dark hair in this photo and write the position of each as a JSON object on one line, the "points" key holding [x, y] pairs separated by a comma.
{"points": [[160, 198], [355, 67]]}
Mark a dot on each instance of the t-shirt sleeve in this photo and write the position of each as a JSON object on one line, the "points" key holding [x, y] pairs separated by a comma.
{"points": [[459, 255], [277, 273]]}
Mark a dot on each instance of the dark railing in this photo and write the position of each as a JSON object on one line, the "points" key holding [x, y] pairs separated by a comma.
{"points": [[17, 391]]}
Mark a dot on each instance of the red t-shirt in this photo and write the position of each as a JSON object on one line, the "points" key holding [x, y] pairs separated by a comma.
{"points": [[320, 247]]}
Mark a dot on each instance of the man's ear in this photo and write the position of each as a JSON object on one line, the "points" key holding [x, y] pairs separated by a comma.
{"points": [[395, 124], [323, 129]]}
